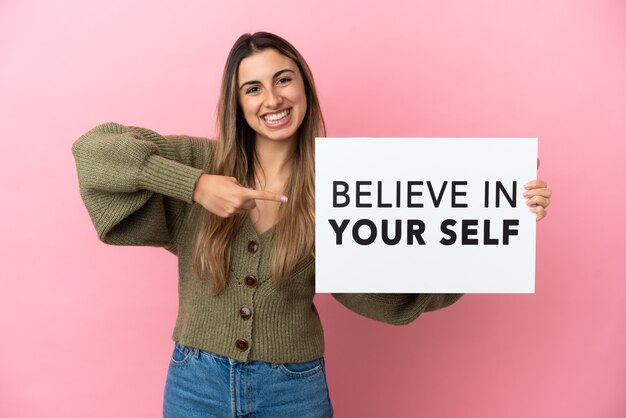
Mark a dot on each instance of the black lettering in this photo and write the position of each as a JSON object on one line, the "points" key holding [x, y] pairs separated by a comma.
{"points": [[380, 197], [410, 193], [456, 193], [486, 194], [385, 234], [343, 193], [355, 232], [466, 232], [501, 190], [436, 200], [487, 238], [415, 229], [339, 229], [398, 193], [448, 231], [507, 231], [360, 193]]}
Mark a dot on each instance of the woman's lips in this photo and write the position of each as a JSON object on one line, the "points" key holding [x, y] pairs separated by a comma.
{"points": [[279, 123]]}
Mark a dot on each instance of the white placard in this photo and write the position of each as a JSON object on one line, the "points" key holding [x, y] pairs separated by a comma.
{"points": [[424, 215]]}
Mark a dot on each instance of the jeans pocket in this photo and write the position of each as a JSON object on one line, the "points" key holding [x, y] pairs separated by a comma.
{"points": [[181, 355], [299, 370]]}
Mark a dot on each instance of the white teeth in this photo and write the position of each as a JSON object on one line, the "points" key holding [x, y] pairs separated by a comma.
{"points": [[276, 116]]}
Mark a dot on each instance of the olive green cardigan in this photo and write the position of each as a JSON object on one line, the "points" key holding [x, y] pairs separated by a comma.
{"points": [[138, 185]]}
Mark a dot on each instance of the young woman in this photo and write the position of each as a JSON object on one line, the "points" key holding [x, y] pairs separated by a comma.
{"points": [[239, 214]]}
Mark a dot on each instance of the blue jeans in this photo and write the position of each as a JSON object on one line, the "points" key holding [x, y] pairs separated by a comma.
{"points": [[203, 384]]}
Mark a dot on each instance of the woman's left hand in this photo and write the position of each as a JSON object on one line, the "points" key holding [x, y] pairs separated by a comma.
{"points": [[537, 196]]}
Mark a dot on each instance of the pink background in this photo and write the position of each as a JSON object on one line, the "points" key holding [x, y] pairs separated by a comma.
{"points": [[86, 327]]}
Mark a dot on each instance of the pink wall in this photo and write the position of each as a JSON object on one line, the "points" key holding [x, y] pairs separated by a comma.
{"points": [[86, 327]]}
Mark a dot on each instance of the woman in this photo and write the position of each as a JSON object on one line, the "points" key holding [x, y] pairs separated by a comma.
{"points": [[239, 213]]}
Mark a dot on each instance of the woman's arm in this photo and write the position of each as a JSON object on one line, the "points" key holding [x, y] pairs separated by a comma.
{"points": [[136, 184], [395, 308]]}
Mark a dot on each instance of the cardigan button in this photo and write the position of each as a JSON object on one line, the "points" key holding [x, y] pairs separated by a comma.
{"points": [[245, 312], [253, 247], [242, 345], [250, 281]]}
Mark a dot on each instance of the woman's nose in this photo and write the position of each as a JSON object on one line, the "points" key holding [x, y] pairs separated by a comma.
{"points": [[273, 99]]}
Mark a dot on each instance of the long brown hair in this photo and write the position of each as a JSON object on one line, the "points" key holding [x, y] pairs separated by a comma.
{"points": [[235, 156]]}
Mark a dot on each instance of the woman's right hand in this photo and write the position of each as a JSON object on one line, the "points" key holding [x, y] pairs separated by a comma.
{"points": [[225, 197]]}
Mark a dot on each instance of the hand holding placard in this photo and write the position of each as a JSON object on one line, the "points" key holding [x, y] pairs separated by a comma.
{"points": [[538, 196]]}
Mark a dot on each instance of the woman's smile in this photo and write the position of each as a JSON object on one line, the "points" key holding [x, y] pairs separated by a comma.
{"points": [[277, 119]]}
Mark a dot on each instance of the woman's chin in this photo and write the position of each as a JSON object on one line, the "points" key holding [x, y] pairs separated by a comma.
{"points": [[284, 135]]}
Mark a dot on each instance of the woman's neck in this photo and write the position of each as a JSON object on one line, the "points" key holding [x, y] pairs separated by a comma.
{"points": [[274, 160]]}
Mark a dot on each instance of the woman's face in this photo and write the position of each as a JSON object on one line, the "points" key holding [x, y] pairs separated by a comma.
{"points": [[271, 95]]}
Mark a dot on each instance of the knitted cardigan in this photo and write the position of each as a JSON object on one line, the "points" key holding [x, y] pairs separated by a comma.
{"points": [[138, 185]]}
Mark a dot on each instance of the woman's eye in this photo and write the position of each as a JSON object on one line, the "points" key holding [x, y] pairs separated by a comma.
{"points": [[283, 80], [252, 90]]}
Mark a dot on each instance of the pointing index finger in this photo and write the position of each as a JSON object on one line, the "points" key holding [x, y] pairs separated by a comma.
{"points": [[265, 195]]}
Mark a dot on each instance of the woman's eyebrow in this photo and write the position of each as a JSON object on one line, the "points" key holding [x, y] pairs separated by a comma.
{"points": [[276, 74]]}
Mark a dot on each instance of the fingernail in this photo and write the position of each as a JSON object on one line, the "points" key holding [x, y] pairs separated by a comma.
{"points": [[527, 186], [283, 199], [526, 194]]}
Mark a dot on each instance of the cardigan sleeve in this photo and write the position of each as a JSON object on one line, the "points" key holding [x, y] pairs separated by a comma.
{"points": [[136, 184], [395, 308]]}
